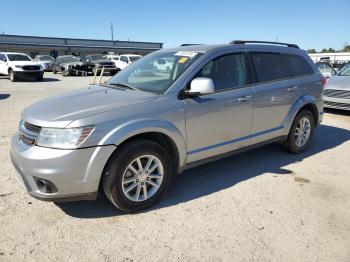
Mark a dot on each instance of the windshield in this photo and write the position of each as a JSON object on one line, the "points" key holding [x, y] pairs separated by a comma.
{"points": [[69, 59], [152, 73], [45, 58], [97, 57], [18, 57], [134, 58], [345, 71]]}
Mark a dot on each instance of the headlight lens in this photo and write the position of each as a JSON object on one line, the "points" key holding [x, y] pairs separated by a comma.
{"points": [[18, 66], [63, 138]]}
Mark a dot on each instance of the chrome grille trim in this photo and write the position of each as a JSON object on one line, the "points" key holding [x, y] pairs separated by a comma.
{"points": [[28, 133]]}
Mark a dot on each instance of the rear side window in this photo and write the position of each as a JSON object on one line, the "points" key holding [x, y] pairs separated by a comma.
{"points": [[298, 65], [268, 66]]}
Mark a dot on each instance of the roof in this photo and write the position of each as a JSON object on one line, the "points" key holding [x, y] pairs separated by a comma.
{"points": [[12, 53], [207, 48]]}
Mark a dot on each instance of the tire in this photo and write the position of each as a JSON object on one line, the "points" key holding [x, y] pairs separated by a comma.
{"points": [[54, 71], [113, 72], [117, 170], [40, 78], [293, 143], [12, 75]]}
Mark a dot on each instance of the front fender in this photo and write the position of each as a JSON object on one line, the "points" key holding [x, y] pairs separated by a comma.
{"points": [[139, 126], [302, 101]]}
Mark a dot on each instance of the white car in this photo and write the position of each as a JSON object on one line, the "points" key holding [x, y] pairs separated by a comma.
{"points": [[164, 65], [113, 58], [125, 60], [17, 65]]}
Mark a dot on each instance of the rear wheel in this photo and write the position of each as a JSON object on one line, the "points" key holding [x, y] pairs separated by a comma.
{"points": [[137, 175], [12, 76], [301, 132]]}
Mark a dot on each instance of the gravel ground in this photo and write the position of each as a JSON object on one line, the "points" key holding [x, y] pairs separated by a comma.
{"points": [[263, 205]]}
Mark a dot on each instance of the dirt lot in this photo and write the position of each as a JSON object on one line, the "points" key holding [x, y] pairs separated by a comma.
{"points": [[263, 205]]}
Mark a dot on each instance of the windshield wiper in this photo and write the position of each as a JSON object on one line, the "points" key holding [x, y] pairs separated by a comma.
{"points": [[124, 85]]}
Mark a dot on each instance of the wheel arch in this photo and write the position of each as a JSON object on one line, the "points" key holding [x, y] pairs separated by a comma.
{"points": [[305, 102], [162, 132]]}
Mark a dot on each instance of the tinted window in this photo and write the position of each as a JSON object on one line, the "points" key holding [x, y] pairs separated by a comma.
{"points": [[18, 57], [298, 65], [268, 66], [2, 57], [124, 59], [226, 72]]}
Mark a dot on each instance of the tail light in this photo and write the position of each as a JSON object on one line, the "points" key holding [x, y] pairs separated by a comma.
{"points": [[323, 81]]}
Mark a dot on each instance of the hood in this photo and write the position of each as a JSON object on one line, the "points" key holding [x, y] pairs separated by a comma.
{"points": [[60, 110], [21, 63], [104, 61], [73, 63], [338, 82]]}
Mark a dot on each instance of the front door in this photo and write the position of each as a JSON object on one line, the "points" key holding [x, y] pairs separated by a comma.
{"points": [[220, 122]]}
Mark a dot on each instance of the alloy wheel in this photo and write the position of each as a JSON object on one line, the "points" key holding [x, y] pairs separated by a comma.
{"points": [[302, 132], [142, 178]]}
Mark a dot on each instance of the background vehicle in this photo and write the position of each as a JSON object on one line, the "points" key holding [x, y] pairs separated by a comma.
{"points": [[129, 135], [68, 65], [164, 65], [17, 65], [92, 62], [337, 91], [326, 69], [46, 61], [125, 60], [113, 58]]}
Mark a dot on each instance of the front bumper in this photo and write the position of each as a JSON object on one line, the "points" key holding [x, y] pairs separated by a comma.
{"points": [[336, 103], [75, 173], [29, 74]]}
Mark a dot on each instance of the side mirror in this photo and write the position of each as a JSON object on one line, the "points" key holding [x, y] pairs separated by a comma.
{"points": [[201, 86]]}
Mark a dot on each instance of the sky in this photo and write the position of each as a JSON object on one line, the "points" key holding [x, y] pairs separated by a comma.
{"points": [[308, 23]]}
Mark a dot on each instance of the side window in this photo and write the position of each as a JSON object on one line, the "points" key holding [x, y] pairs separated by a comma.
{"points": [[268, 66], [298, 65], [227, 72], [3, 58], [124, 59]]}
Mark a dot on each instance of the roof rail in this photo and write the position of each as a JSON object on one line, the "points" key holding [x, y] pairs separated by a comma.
{"points": [[189, 44], [242, 42]]}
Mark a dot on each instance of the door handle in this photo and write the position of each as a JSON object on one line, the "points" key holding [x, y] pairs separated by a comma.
{"points": [[292, 89], [242, 99]]}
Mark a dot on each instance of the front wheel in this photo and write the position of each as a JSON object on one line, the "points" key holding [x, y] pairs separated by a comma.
{"points": [[301, 132], [12, 76], [136, 175]]}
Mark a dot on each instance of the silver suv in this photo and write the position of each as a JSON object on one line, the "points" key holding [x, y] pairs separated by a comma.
{"points": [[128, 136]]}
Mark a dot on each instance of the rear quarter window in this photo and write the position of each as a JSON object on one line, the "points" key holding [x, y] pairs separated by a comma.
{"points": [[298, 65], [268, 66]]}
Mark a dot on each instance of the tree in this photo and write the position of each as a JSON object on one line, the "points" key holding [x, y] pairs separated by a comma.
{"points": [[324, 50], [311, 51], [346, 48], [331, 50]]}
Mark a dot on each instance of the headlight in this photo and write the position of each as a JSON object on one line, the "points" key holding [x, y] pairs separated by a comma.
{"points": [[63, 138], [18, 66]]}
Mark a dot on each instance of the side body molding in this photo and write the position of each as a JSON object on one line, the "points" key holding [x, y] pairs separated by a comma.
{"points": [[139, 126], [302, 101]]}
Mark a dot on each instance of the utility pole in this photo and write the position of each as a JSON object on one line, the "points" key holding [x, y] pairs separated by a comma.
{"points": [[112, 31]]}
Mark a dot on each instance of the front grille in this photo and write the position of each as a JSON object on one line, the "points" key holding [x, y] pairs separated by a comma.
{"points": [[337, 93], [28, 133], [337, 105], [31, 67], [31, 127]]}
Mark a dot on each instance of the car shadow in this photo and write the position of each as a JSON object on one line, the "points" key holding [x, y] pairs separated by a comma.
{"points": [[219, 175], [4, 96], [337, 111]]}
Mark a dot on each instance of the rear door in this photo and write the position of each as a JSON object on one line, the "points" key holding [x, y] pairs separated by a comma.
{"points": [[3, 64], [274, 92]]}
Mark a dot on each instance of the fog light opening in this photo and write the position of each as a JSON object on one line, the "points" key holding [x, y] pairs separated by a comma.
{"points": [[45, 186]]}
